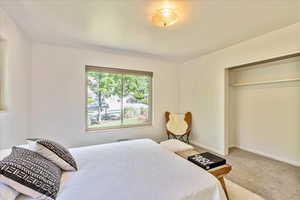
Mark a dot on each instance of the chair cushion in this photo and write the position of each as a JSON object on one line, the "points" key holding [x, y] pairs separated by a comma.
{"points": [[176, 124], [176, 145]]}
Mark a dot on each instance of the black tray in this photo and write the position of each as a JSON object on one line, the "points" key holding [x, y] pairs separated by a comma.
{"points": [[207, 160]]}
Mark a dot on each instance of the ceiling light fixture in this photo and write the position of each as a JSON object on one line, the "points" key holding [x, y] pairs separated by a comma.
{"points": [[165, 17]]}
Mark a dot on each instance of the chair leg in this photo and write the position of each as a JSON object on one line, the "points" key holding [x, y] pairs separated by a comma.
{"points": [[180, 137], [188, 138]]}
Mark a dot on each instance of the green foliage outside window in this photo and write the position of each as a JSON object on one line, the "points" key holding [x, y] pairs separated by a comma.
{"points": [[117, 99]]}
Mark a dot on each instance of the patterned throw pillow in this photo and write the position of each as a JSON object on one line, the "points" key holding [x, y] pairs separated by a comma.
{"points": [[31, 174], [55, 152]]}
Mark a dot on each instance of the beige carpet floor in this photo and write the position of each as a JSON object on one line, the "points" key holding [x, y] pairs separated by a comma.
{"points": [[271, 179], [237, 192]]}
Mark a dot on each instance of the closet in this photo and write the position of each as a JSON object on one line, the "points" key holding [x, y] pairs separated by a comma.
{"points": [[264, 108]]}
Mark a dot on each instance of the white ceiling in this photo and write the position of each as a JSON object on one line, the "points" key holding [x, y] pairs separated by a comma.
{"points": [[124, 25]]}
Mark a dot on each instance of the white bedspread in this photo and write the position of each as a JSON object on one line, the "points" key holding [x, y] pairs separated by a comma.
{"points": [[136, 170]]}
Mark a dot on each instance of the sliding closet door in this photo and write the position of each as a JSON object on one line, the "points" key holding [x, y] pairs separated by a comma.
{"points": [[265, 109]]}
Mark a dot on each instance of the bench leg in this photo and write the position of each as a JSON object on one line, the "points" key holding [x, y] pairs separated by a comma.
{"points": [[224, 186]]}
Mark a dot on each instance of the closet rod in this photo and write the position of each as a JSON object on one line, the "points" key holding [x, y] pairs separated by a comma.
{"points": [[265, 82]]}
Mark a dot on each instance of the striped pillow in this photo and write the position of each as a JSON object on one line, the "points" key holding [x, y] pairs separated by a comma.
{"points": [[54, 152], [31, 174]]}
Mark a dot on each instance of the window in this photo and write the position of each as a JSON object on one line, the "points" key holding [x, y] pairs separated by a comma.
{"points": [[117, 98]]}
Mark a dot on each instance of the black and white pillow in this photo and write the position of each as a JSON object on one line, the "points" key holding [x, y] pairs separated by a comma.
{"points": [[31, 174], [54, 152]]}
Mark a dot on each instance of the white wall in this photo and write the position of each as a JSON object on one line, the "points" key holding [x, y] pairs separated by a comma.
{"points": [[14, 121], [45, 99], [58, 94], [265, 118], [2, 73], [203, 82]]}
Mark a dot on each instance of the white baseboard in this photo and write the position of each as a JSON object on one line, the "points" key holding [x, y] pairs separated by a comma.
{"points": [[207, 147], [291, 162]]}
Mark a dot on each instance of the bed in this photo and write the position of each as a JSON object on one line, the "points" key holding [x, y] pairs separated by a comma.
{"points": [[135, 170]]}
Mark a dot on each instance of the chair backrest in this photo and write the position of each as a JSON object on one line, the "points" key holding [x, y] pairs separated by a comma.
{"points": [[178, 124]]}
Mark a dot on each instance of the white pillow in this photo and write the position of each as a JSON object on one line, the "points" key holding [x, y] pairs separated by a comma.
{"points": [[7, 193], [176, 145], [5, 152]]}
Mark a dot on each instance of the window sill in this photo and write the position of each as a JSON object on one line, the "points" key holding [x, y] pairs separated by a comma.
{"points": [[3, 112], [119, 128]]}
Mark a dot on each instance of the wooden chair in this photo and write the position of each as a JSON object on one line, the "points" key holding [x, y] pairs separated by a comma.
{"points": [[179, 126]]}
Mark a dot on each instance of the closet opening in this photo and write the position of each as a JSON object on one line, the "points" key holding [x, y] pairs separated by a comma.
{"points": [[263, 108]]}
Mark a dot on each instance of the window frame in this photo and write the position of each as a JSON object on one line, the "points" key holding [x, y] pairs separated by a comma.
{"points": [[90, 68]]}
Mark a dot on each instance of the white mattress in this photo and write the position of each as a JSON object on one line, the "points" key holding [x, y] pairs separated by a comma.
{"points": [[135, 170]]}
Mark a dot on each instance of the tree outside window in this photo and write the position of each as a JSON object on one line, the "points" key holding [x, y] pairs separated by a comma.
{"points": [[118, 98]]}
